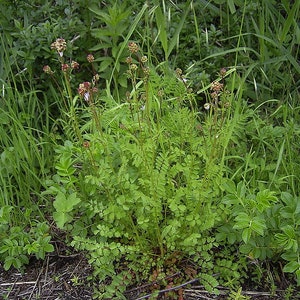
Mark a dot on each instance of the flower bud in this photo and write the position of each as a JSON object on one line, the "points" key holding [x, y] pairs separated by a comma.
{"points": [[47, 70], [133, 47], [90, 58], [74, 65], [65, 67]]}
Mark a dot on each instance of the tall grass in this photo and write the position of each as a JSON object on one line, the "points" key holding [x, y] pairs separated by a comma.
{"points": [[25, 150]]}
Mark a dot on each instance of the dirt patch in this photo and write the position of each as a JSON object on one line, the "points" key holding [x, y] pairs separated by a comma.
{"points": [[66, 277], [193, 291], [55, 278]]}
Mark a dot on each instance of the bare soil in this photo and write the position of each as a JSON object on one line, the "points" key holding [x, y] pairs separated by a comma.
{"points": [[56, 278], [66, 276]]}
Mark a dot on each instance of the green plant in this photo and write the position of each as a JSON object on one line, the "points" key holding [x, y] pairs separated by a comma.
{"points": [[17, 245], [24, 163], [238, 295], [144, 185], [24, 154], [288, 238], [29, 25], [115, 22], [143, 150], [266, 225], [289, 293]]}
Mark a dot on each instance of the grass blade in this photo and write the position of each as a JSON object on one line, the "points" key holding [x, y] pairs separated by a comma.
{"points": [[175, 37], [130, 32], [290, 20], [162, 30]]}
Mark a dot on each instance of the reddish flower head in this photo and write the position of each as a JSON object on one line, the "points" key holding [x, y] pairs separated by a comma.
{"points": [[90, 58], [74, 64], [83, 88], [65, 67], [47, 70], [59, 45], [133, 47]]}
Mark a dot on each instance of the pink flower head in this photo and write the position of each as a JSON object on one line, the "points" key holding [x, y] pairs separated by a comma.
{"points": [[133, 47], [65, 67], [47, 70], [90, 58], [84, 88], [60, 46], [95, 79], [74, 64]]}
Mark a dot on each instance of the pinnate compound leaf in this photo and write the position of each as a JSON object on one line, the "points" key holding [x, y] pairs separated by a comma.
{"points": [[64, 166], [210, 283]]}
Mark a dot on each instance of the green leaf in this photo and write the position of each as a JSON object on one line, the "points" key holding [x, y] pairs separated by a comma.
{"points": [[258, 225], [289, 231], [229, 186], [175, 39], [288, 239], [231, 6], [258, 253], [162, 29], [264, 199], [108, 61], [210, 283], [60, 201], [241, 190], [65, 166], [291, 267], [246, 235], [230, 199], [289, 21], [298, 277], [32, 248], [5, 211], [8, 262], [63, 204], [100, 46], [130, 32], [122, 81], [48, 248], [290, 256], [242, 221], [61, 219], [287, 198]]}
